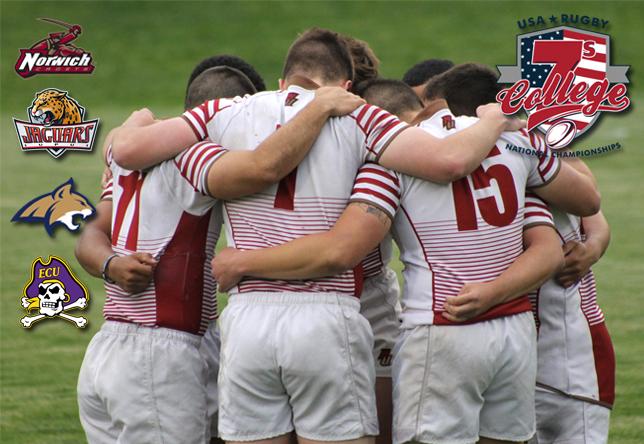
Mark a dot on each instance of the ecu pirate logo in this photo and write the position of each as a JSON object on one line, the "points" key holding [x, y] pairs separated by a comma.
{"points": [[51, 292], [55, 54], [563, 80], [56, 125]]}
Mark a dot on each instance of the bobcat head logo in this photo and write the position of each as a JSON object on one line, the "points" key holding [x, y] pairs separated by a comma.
{"points": [[58, 207]]}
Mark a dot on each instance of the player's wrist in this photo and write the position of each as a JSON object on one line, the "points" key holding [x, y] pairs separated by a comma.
{"points": [[595, 250], [321, 106], [108, 267]]}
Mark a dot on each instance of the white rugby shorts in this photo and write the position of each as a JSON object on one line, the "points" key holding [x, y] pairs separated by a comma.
{"points": [[379, 304], [210, 345], [295, 361], [565, 420], [143, 385], [456, 383]]}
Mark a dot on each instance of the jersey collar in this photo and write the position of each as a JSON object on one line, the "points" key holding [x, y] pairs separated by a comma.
{"points": [[432, 108]]}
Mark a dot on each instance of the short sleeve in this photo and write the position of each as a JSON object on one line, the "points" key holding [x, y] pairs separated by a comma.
{"points": [[548, 165], [200, 116], [107, 190], [195, 162], [377, 186], [536, 212], [378, 127]]}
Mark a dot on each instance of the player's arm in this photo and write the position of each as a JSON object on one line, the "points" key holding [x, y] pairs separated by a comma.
{"points": [[239, 173], [541, 258], [580, 256], [417, 153], [94, 246], [149, 142], [360, 228], [571, 191]]}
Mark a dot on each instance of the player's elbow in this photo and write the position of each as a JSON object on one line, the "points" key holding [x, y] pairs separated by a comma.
{"points": [[590, 203], [124, 150], [453, 169], [339, 258]]}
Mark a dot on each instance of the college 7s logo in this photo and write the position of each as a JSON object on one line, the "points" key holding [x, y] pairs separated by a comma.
{"points": [[51, 292], [564, 81]]}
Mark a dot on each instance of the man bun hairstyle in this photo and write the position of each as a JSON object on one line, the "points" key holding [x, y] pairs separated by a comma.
{"points": [[365, 61], [465, 87], [319, 53]]}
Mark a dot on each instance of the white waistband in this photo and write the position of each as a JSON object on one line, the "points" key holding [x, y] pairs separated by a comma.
{"points": [[291, 298], [127, 328]]}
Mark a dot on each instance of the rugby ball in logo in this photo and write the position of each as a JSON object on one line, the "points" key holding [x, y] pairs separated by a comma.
{"points": [[561, 134]]}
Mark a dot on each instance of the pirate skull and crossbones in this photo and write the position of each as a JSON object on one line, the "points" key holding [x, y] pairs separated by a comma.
{"points": [[50, 302]]}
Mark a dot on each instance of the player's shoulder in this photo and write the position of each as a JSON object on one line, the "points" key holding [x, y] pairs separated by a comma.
{"points": [[443, 123]]}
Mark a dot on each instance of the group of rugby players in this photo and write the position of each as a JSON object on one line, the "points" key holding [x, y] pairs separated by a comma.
{"points": [[312, 182]]}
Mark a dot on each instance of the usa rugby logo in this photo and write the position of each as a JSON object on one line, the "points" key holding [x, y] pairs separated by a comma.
{"points": [[56, 125], [564, 81], [55, 54]]}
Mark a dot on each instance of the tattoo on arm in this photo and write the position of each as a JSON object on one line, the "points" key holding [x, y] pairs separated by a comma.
{"points": [[377, 212]]}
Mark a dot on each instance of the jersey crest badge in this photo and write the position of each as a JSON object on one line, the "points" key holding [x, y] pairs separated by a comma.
{"points": [[563, 80], [58, 207], [51, 292], [385, 357], [448, 122]]}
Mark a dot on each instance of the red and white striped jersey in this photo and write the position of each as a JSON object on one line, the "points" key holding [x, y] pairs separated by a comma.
{"points": [[166, 211], [575, 353], [312, 197], [469, 230]]}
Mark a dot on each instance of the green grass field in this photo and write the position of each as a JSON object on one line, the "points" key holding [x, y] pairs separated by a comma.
{"points": [[143, 54]]}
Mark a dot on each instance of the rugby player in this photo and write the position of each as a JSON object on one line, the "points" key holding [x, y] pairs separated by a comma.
{"points": [[576, 361], [470, 250], [133, 272], [418, 75], [143, 377], [270, 382], [379, 302]]}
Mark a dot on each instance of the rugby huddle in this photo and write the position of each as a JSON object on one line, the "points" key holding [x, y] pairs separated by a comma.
{"points": [[312, 182]]}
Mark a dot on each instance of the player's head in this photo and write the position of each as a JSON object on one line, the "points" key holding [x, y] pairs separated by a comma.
{"points": [[418, 75], [321, 56], [233, 62], [465, 87], [365, 62], [218, 82], [394, 96]]}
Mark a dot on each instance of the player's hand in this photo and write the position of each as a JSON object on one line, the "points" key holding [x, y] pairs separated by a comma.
{"points": [[224, 269], [133, 272], [337, 101], [475, 298], [578, 258], [141, 117], [106, 176], [493, 111]]}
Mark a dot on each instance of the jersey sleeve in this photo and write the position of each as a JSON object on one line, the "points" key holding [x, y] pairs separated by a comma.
{"points": [[536, 212], [200, 116], [377, 186], [107, 190], [378, 128], [195, 162], [546, 166]]}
